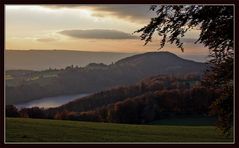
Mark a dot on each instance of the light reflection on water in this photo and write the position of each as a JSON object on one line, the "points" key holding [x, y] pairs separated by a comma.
{"points": [[48, 102]]}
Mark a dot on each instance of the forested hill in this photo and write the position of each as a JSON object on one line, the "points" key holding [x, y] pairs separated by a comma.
{"points": [[161, 62], [151, 99], [96, 77], [141, 88]]}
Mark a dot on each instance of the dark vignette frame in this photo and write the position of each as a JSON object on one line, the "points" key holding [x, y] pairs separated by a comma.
{"points": [[2, 48]]}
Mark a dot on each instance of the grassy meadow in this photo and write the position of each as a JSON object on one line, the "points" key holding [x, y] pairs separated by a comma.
{"points": [[42, 130]]}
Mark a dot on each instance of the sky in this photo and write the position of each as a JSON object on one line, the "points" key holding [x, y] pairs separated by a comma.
{"points": [[86, 28]]}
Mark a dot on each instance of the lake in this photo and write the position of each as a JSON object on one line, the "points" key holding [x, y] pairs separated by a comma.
{"points": [[48, 102]]}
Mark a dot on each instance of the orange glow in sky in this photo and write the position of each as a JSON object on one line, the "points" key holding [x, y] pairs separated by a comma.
{"points": [[85, 28]]}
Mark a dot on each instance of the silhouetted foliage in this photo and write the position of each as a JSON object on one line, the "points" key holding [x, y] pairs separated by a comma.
{"points": [[223, 108], [216, 32], [173, 21], [221, 76]]}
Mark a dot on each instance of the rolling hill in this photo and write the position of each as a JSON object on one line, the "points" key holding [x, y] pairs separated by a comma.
{"points": [[98, 76]]}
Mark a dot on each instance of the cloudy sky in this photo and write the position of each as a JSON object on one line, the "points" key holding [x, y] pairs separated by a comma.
{"points": [[86, 28]]}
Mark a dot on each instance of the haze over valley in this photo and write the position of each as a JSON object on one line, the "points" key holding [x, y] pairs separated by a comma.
{"points": [[26, 85], [57, 59]]}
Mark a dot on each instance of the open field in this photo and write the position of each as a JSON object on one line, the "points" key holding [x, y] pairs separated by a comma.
{"points": [[187, 121], [40, 130]]}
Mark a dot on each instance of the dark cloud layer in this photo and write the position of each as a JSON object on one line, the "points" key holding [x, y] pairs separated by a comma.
{"points": [[138, 13], [132, 12], [98, 34]]}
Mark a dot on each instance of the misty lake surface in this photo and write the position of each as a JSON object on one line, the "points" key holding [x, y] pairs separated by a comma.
{"points": [[48, 102]]}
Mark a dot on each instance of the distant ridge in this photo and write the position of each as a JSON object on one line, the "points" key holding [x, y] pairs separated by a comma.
{"points": [[44, 59], [98, 76]]}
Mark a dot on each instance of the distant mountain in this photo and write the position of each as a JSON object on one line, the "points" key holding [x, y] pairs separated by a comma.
{"points": [[97, 77], [44, 59]]}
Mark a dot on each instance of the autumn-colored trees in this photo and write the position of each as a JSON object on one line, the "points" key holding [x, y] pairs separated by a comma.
{"points": [[150, 106], [152, 99]]}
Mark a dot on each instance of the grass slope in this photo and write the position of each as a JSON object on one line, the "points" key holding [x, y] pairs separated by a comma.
{"points": [[41, 130]]}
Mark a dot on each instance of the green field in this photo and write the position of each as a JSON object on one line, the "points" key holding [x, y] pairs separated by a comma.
{"points": [[40, 130], [187, 121]]}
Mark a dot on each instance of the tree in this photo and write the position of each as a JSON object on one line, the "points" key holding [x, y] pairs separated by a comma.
{"points": [[172, 22], [221, 76], [216, 33], [34, 112], [12, 111]]}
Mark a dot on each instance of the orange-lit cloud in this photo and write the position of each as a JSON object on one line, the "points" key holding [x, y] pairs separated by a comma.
{"points": [[86, 28]]}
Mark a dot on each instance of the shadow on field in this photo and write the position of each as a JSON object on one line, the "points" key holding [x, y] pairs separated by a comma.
{"points": [[189, 121]]}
